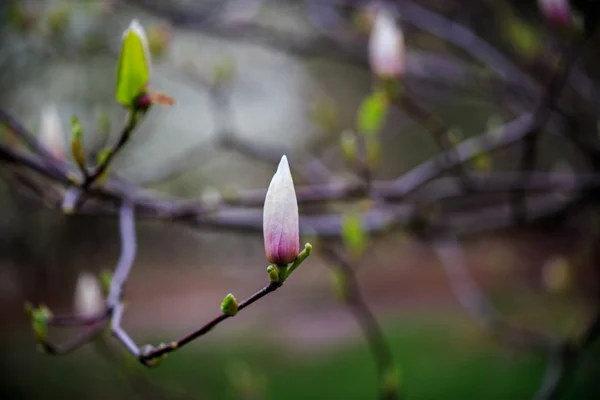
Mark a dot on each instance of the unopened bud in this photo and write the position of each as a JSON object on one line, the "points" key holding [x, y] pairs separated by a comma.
{"points": [[133, 72], [88, 295], [280, 218], [229, 305], [51, 133], [557, 12], [386, 47]]}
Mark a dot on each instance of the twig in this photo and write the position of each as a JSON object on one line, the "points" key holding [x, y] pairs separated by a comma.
{"points": [[132, 122], [478, 306], [354, 300], [162, 350]]}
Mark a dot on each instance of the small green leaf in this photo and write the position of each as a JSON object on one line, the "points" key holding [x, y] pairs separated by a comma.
{"points": [[39, 321], [102, 158], [524, 39], [373, 149], [77, 142], [105, 279], [339, 282], [273, 273], [353, 233], [482, 162], [372, 113], [133, 72], [349, 145], [76, 128], [229, 305]]}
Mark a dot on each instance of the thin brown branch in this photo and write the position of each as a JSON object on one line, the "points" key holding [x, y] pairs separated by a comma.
{"points": [[146, 358]]}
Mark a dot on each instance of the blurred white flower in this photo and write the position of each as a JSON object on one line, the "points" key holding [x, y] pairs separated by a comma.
{"points": [[386, 47], [51, 132], [88, 295], [280, 217]]}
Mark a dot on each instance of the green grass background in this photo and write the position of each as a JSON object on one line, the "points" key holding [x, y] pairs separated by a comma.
{"points": [[437, 359]]}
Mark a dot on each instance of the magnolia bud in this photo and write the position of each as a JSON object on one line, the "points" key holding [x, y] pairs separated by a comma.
{"points": [[51, 133], [229, 305], [557, 12], [133, 72], [88, 295], [386, 47], [280, 217]]}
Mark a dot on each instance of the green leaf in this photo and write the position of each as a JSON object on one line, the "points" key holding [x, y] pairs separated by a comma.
{"points": [[349, 145], [133, 72], [482, 162], [273, 273], [524, 39], [102, 158], [105, 278], [353, 233], [372, 113], [373, 149], [39, 321], [76, 129]]}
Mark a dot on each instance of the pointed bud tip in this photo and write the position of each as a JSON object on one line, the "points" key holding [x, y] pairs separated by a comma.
{"points": [[386, 47], [135, 27]]}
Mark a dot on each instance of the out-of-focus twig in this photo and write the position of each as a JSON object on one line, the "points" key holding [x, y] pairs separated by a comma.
{"points": [[354, 300], [478, 306]]}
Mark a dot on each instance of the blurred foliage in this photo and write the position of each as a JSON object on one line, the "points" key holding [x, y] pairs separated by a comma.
{"points": [[353, 233], [372, 113]]}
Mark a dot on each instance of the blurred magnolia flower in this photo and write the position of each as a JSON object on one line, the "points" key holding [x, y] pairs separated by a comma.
{"points": [[51, 132], [280, 217], [386, 47], [557, 12], [88, 295]]}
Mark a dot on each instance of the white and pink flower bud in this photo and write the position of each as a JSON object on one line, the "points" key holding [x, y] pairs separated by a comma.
{"points": [[386, 47], [88, 295], [51, 133], [557, 12], [280, 217]]}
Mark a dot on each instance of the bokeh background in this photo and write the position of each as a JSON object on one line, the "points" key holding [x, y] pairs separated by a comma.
{"points": [[289, 75]]}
